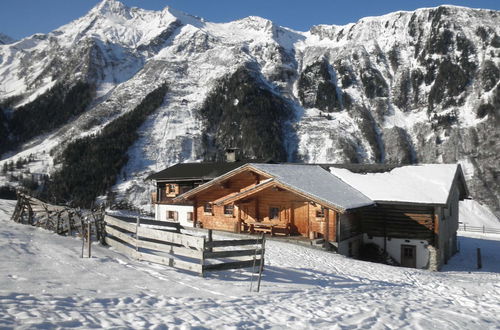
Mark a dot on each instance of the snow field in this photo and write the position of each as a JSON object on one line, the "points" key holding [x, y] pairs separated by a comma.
{"points": [[45, 284]]}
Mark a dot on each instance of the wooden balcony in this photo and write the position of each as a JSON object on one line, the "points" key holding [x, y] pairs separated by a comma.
{"points": [[166, 199]]}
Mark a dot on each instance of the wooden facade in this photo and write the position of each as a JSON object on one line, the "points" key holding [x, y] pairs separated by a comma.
{"points": [[401, 221], [249, 199]]}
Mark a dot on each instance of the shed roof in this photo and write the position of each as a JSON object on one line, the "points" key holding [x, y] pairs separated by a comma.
{"points": [[317, 182], [419, 184], [308, 180], [195, 171]]}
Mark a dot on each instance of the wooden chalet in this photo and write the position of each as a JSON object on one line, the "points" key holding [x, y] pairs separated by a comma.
{"points": [[286, 199]]}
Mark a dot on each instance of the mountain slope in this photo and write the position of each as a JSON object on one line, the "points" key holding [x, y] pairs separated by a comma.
{"points": [[5, 39], [406, 87]]}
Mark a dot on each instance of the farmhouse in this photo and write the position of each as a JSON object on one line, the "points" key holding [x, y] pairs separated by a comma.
{"points": [[282, 199], [178, 179], [410, 212]]}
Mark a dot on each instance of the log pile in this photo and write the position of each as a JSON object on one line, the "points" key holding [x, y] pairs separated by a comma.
{"points": [[62, 220]]}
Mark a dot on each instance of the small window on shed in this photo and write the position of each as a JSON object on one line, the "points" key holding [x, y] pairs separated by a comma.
{"points": [[207, 208], [229, 210], [320, 213], [190, 216], [274, 213]]}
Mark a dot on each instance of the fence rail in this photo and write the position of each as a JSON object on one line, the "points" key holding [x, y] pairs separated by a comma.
{"points": [[170, 244], [478, 229]]}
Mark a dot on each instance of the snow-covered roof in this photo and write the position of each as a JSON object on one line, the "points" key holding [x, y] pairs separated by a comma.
{"points": [[428, 183], [315, 181]]}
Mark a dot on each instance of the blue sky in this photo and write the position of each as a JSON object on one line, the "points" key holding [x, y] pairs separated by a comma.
{"points": [[20, 18]]}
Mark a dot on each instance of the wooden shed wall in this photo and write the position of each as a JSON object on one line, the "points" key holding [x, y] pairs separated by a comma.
{"points": [[399, 221]]}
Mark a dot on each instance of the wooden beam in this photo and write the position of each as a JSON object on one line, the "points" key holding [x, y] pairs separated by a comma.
{"points": [[122, 236], [231, 253], [234, 242], [178, 250], [233, 265], [170, 237], [197, 268], [119, 223], [327, 230]]}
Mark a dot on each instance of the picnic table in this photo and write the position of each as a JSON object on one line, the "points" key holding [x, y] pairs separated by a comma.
{"points": [[269, 227]]}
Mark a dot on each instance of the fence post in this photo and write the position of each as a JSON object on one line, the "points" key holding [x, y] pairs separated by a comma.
{"points": [[137, 224], [83, 238], [202, 259], [261, 268], [210, 239], [89, 241], [479, 262], [483, 229], [465, 228]]}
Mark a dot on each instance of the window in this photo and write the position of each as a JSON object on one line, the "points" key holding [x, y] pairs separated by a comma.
{"points": [[190, 216], [172, 215], [274, 213], [320, 213], [207, 208], [171, 187], [229, 210]]}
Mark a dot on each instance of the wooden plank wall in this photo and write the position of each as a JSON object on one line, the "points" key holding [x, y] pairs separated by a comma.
{"points": [[350, 225], [218, 220], [318, 224], [179, 250], [399, 221]]}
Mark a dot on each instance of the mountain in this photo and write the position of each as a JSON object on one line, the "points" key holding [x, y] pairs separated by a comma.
{"points": [[5, 39], [407, 87]]}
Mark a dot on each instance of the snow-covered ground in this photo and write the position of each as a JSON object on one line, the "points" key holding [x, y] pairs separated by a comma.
{"points": [[45, 284]]}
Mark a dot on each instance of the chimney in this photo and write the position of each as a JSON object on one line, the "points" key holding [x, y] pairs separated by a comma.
{"points": [[231, 155]]}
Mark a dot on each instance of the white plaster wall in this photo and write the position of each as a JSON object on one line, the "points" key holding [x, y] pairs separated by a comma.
{"points": [[394, 248], [182, 211]]}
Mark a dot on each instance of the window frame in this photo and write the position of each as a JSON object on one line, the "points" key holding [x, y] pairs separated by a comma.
{"points": [[271, 208], [208, 209], [229, 207], [172, 215]]}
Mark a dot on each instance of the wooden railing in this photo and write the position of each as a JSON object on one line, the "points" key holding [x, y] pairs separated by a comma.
{"points": [[478, 229], [163, 242]]}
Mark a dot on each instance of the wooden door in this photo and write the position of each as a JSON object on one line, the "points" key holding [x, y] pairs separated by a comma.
{"points": [[300, 219], [409, 256]]}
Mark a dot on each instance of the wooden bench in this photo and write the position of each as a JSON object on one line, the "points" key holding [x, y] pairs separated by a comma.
{"points": [[271, 228]]}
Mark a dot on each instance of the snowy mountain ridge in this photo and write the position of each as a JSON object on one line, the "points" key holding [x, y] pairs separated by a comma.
{"points": [[405, 87]]}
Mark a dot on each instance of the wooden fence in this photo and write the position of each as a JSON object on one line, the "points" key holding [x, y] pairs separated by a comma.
{"points": [[59, 219], [170, 244], [478, 229]]}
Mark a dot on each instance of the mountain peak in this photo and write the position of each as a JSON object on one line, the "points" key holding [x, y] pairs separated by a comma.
{"points": [[112, 7]]}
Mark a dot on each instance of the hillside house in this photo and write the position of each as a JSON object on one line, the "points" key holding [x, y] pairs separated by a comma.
{"points": [[178, 179], [410, 212]]}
